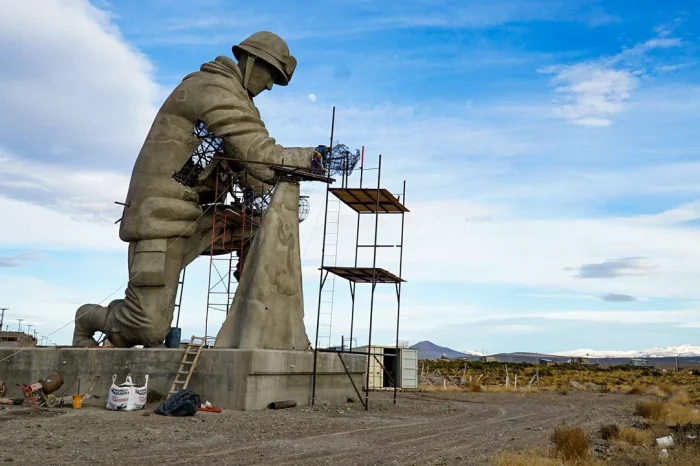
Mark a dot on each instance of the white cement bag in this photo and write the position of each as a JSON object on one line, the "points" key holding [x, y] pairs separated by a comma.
{"points": [[127, 397], [139, 396], [119, 395]]}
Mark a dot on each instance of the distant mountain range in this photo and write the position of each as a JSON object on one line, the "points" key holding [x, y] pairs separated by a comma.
{"points": [[683, 351], [429, 350]]}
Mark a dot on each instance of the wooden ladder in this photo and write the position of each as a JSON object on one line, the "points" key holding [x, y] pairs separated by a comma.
{"points": [[187, 365]]}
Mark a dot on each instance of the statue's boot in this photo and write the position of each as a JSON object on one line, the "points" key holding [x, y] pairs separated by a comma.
{"points": [[89, 319]]}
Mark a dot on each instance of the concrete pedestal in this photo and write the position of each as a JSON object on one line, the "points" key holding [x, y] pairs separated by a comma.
{"points": [[228, 378]]}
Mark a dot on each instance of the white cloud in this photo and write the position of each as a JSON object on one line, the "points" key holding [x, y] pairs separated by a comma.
{"points": [[594, 92], [34, 227], [80, 194], [70, 87]]}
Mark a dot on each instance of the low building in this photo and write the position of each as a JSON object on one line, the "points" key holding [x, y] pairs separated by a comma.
{"points": [[16, 340], [640, 362]]}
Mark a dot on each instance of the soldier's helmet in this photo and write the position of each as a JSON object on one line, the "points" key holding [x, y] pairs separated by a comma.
{"points": [[272, 49]]}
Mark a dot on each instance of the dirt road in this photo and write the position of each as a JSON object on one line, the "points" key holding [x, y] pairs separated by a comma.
{"points": [[423, 428]]}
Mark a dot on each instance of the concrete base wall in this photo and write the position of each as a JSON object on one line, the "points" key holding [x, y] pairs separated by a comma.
{"points": [[228, 378]]}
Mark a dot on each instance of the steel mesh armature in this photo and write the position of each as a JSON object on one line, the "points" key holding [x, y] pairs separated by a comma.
{"points": [[341, 160], [304, 208], [209, 146]]}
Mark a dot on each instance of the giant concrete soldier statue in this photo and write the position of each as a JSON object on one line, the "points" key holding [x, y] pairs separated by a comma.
{"points": [[164, 221]]}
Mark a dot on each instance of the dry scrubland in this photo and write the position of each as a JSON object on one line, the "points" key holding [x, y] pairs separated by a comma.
{"points": [[667, 404], [478, 376]]}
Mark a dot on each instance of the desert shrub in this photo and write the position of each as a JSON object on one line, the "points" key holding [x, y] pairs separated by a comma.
{"points": [[650, 409], [656, 391], [609, 432], [680, 396], [634, 436], [666, 388], [474, 387], [667, 412], [636, 390], [571, 443]]}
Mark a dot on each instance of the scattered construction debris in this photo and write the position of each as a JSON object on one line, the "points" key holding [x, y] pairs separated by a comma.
{"points": [[35, 394], [282, 404], [182, 403]]}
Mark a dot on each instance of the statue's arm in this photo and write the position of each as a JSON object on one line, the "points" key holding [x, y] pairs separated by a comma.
{"points": [[229, 116]]}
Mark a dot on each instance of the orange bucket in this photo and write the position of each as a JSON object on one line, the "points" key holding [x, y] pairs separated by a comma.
{"points": [[77, 401]]}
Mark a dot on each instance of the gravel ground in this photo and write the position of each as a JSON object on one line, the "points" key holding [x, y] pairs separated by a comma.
{"points": [[423, 428]]}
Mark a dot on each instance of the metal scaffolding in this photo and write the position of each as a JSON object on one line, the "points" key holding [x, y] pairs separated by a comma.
{"points": [[365, 202]]}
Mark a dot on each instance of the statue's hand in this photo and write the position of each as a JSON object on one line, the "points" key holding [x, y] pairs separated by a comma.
{"points": [[317, 165]]}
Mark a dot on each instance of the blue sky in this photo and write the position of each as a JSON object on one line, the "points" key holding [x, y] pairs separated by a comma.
{"points": [[550, 150]]}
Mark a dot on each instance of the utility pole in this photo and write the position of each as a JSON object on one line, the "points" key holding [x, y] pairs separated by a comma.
{"points": [[2, 316], [29, 329], [19, 325]]}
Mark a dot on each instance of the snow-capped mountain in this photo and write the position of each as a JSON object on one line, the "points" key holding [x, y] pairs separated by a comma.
{"points": [[660, 352]]}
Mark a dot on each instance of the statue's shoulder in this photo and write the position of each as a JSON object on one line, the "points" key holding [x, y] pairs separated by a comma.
{"points": [[223, 66]]}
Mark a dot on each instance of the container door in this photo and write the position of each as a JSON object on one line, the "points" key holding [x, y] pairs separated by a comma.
{"points": [[376, 379], [409, 368]]}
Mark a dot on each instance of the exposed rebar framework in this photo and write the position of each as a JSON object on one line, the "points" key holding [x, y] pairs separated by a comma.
{"points": [[236, 201]]}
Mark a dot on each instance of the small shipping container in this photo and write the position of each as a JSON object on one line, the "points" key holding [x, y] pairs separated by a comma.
{"points": [[385, 367]]}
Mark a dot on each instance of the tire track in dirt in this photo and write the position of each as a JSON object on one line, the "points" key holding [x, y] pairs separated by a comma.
{"points": [[405, 434], [402, 443], [433, 445], [309, 439]]}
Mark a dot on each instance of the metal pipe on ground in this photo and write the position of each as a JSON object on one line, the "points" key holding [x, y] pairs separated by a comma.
{"points": [[282, 404]]}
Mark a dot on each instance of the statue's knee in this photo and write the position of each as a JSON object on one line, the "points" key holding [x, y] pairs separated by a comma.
{"points": [[148, 266]]}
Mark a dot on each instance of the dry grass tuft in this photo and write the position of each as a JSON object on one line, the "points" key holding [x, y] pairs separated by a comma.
{"points": [[474, 387], [656, 391], [666, 388], [680, 396], [650, 409], [667, 412], [500, 389], [636, 390], [635, 436], [609, 432], [571, 443], [524, 458], [683, 456]]}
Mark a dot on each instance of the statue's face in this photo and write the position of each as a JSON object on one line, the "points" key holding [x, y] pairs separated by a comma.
{"points": [[262, 78]]}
